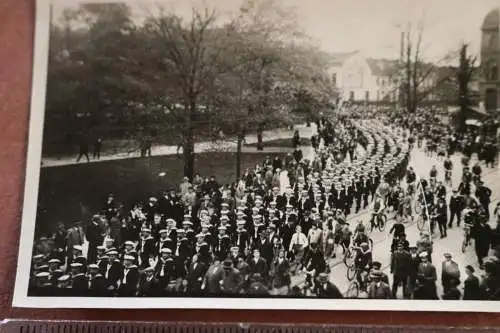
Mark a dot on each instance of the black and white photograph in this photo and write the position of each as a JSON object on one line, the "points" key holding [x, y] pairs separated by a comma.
{"points": [[263, 154]]}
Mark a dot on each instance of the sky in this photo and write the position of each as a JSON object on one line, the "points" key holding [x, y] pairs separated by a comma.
{"points": [[372, 27]]}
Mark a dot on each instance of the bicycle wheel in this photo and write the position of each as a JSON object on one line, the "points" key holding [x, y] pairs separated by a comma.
{"points": [[353, 290], [351, 273], [382, 222], [349, 258], [420, 222]]}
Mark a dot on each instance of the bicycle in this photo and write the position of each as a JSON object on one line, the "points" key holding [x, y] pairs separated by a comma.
{"points": [[351, 255], [354, 287], [421, 221]]}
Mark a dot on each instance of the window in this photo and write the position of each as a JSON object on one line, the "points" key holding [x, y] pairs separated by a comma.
{"points": [[334, 79], [351, 96], [367, 95], [494, 73]]}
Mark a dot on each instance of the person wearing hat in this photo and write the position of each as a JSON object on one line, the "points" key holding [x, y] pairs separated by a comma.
{"points": [[326, 289], [401, 261], [63, 287], [195, 275], [148, 284], [241, 238], [79, 281], [164, 241], [75, 236], [472, 290], [146, 248], [483, 194], [98, 285], [231, 279], [222, 242], [164, 269], [55, 270], [112, 270], [257, 286], [377, 288], [456, 205], [427, 276], [42, 285], [258, 265], [449, 272], [129, 279]]}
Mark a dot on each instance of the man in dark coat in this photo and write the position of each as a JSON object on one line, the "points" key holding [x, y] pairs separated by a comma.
{"points": [[98, 285], [326, 289], [94, 237], [482, 236], [471, 285], [483, 193], [258, 265], [456, 206], [148, 284], [427, 275], [378, 289], [195, 276], [80, 284], [130, 278], [400, 268], [449, 272]]}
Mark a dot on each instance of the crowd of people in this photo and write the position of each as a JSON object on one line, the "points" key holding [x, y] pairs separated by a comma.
{"points": [[275, 231]]}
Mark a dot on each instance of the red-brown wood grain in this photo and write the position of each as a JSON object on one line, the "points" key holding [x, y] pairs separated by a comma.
{"points": [[16, 43]]}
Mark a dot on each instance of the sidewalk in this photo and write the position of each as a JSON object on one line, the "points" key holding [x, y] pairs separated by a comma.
{"points": [[200, 147]]}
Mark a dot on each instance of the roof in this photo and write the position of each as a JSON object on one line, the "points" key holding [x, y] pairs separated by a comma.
{"points": [[382, 67], [338, 58], [492, 20]]}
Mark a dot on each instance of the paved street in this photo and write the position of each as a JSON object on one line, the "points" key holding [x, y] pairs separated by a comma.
{"points": [[207, 146], [382, 240]]}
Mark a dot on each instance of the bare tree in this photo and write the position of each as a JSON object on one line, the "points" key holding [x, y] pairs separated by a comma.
{"points": [[418, 78], [464, 75]]}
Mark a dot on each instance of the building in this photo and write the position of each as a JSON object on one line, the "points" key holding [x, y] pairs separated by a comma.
{"points": [[490, 61], [386, 77], [360, 79], [352, 77]]}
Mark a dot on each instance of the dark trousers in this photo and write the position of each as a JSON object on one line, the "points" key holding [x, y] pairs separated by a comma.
{"points": [[486, 206], [83, 153], [358, 203], [365, 199], [442, 226], [454, 213], [396, 282]]}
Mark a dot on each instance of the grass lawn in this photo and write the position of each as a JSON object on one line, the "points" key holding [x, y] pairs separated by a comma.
{"points": [[66, 192], [285, 143]]}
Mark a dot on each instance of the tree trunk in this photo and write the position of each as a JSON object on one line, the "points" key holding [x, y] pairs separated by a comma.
{"points": [[188, 140], [239, 145]]}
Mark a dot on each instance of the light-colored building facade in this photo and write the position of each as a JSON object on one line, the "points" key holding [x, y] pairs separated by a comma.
{"points": [[360, 79], [490, 61], [353, 77]]}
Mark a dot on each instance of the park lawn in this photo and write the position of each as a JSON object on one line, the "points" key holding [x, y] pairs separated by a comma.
{"points": [[285, 143], [71, 193]]}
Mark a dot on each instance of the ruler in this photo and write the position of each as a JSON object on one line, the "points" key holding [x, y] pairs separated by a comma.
{"points": [[34, 326]]}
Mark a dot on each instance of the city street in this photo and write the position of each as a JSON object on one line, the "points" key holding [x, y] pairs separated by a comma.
{"points": [[451, 244]]}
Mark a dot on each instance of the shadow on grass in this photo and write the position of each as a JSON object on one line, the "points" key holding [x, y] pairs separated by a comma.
{"points": [[70, 193], [285, 143]]}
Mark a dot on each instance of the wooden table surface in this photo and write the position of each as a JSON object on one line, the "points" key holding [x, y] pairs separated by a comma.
{"points": [[16, 40]]}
